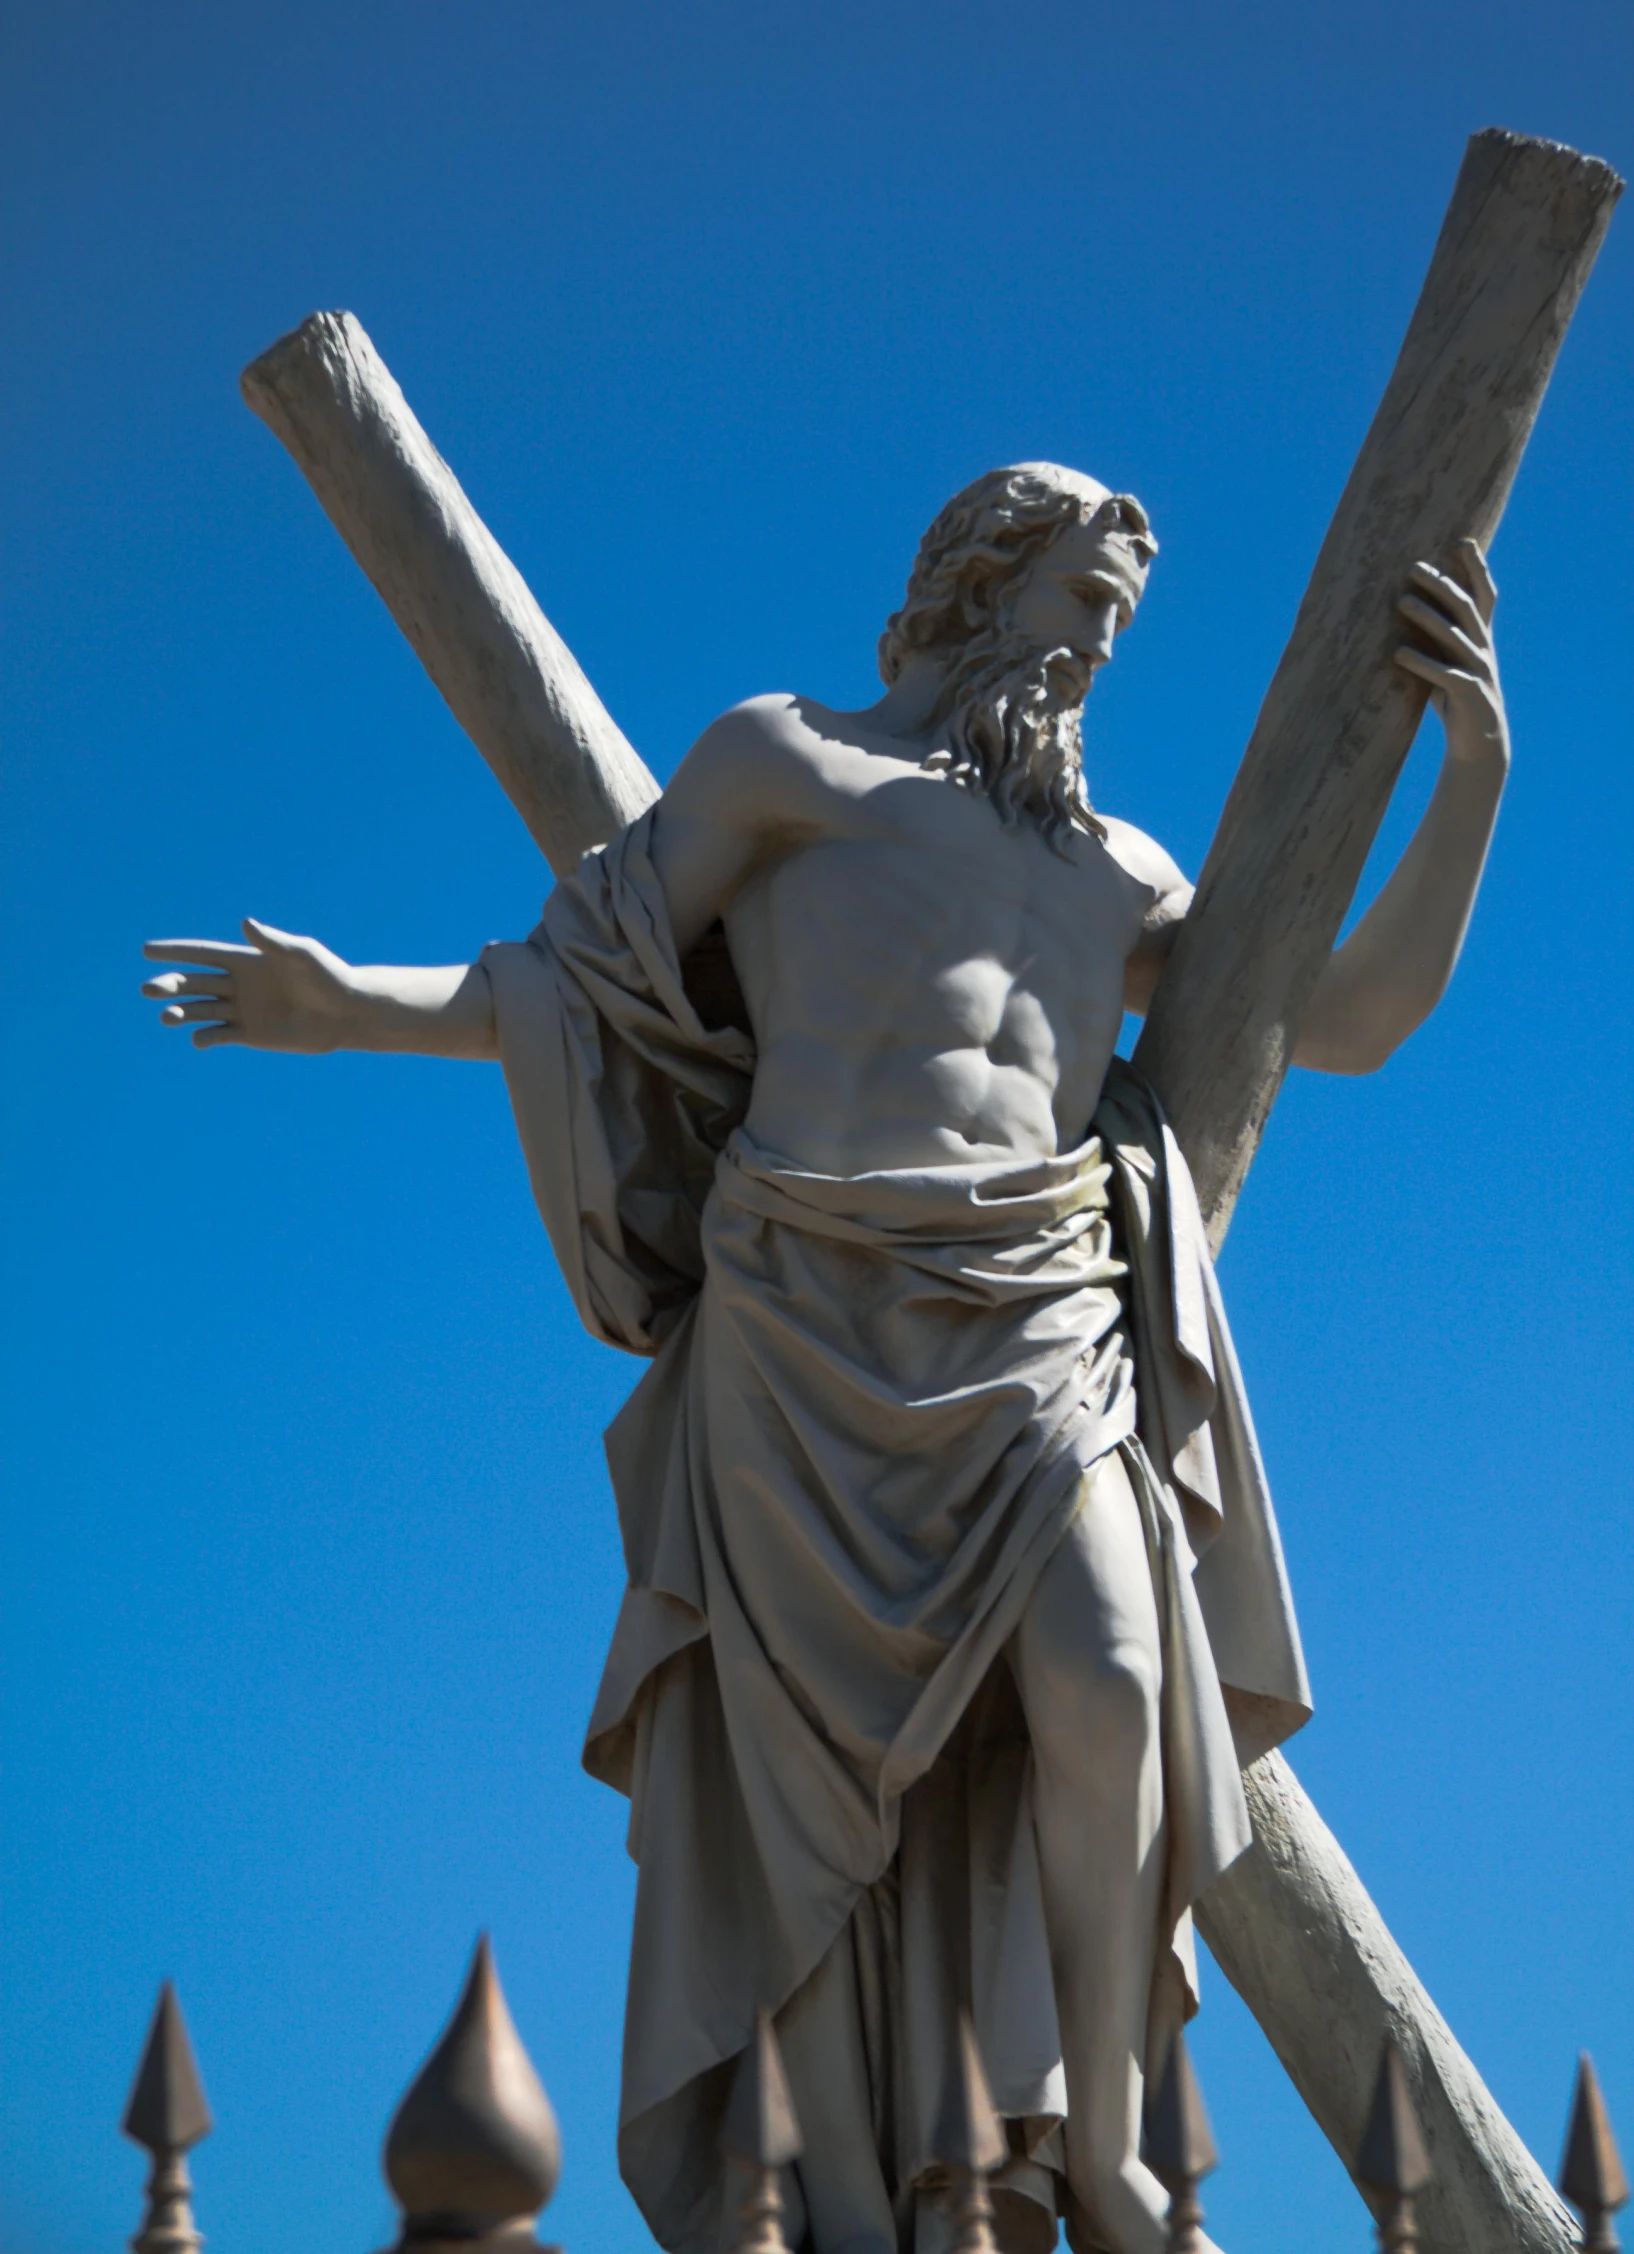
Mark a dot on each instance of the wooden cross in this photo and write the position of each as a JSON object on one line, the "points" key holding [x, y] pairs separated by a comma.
{"points": [[1290, 1923]]}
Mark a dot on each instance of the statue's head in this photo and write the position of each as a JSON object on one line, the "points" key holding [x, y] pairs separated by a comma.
{"points": [[1016, 594]]}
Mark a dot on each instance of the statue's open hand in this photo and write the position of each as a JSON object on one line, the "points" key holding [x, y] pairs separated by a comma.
{"points": [[279, 992], [1453, 615]]}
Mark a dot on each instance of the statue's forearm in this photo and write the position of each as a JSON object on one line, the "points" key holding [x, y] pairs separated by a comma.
{"points": [[441, 1011], [1394, 968], [296, 995]]}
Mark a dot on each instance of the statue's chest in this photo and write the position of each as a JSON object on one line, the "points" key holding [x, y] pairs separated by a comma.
{"points": [[926, 849], [922, 899]]}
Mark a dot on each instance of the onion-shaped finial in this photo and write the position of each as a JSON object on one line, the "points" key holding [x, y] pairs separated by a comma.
{"points": [[474, 2153]]}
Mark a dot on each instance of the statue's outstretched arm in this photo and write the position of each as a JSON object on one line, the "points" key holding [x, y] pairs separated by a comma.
{"points": [[281, 992], [1393, 969]]}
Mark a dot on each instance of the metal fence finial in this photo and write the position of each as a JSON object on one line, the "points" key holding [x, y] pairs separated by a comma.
{"points": [[761, 2133], [1179, 2147], [166, 2114], [969, 2143], [1393, 2165], [1591, 2172], [473, 2153]]}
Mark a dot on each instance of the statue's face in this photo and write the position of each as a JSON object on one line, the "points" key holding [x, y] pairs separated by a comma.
{"points": [[1080, 593]]}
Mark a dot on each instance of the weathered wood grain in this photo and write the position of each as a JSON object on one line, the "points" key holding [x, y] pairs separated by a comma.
{"points": [[1521, 233], [508, 677]]}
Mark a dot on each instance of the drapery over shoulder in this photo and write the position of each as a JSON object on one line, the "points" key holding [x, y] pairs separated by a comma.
{"points": [[872, 1408], [623, 1097]]}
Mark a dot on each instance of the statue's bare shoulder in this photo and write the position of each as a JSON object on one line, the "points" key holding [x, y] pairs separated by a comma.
{"points": [[761, 772], [1155, 867], [781, 759], [745, 789]]}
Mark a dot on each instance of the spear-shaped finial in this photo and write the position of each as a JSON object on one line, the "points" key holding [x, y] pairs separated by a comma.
{"points": [[473, 2152], [761, 2133], [1393, 2165], [969, 2143], [167, 2114], [1180, 2146], [1591, 2173]]}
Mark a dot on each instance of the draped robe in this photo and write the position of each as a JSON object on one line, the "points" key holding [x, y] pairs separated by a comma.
{"points": [[870, 1412]]}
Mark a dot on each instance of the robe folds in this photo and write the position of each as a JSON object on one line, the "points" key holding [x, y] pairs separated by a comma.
{"points": [[871, 1411]]}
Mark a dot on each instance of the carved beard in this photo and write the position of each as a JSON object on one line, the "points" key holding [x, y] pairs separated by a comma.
{"points": [[1014, 716]]}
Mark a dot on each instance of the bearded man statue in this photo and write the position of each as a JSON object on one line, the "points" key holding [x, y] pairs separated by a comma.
{"points": [[955, 1594]]}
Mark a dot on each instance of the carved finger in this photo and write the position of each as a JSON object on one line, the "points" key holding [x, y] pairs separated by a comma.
{"points": [[267, 937], [1477, 573], [1455, 600], [1454, 642], [211, 1036], [222, 952], [1431, 669], [189, 1013], [189, 982]]}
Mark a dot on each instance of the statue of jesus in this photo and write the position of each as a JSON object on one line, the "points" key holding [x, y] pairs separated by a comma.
{"points": [[955, 1594]]}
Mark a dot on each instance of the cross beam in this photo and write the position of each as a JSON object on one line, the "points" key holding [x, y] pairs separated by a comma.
{"points": [[1290, 1923]]}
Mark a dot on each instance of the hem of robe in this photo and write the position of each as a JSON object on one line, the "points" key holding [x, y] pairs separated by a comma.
{"points": [[668, 2145]]}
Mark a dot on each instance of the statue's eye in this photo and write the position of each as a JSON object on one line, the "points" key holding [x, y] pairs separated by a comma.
{"points": [[1096, 593]]}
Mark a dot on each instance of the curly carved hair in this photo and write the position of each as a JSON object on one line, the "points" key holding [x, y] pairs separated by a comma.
{"points": [[982, 544]]}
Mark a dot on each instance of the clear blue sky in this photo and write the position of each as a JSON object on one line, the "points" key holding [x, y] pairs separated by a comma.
{"points": [[311, 1552]]}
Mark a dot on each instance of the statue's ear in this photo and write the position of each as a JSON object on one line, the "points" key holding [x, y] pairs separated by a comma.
{"points": [[976, 594]]}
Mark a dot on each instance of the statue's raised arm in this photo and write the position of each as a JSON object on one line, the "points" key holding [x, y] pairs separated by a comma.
{"points": [[1393, 969], [1382, 984]]}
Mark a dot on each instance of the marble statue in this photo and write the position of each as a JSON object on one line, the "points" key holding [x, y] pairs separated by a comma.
{"points": [[955, 1595]]}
